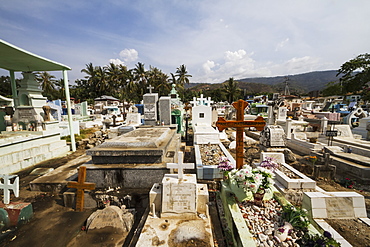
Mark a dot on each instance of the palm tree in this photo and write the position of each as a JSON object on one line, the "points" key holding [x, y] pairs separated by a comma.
{"points": [[232, 90], [140, 77], [47, 84], [183, 77]]}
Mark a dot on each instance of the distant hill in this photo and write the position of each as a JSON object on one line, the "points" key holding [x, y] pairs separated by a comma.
{"points": [[300, 83]]}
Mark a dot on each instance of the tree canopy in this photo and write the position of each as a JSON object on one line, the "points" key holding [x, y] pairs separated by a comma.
{"points": [[356, 76]]}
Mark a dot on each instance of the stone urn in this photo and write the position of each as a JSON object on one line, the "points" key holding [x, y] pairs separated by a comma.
{"points": [[282, 232]]}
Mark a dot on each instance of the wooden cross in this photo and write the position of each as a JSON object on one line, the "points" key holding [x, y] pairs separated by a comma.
{"points": [[150, 88], [7, 186], [180, 166], [259, 123], [81, 186]]}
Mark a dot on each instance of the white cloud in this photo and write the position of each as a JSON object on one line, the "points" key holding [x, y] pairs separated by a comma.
{"points": [[116, 61], [129, 55], [281, 44], [207, 66]]}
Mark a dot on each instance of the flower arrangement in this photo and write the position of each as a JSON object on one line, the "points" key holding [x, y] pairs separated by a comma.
{"points": [[313, 159], [225, 166], [270, 163], [253, 179], [347, 183]]}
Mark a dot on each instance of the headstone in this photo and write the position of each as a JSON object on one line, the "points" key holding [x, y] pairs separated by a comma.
{"points": [[282, 113], [240, 124], [273, 136], [81, 186], [165, 110], [150, 108], [133, 119], [111, 216], [6, 186]]}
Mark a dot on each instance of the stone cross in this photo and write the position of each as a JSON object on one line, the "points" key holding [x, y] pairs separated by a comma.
{"points": [[327, 159], [81, 186], [201, 100], [194, 102], [180, 166], [240, 124], [7, 186], [150, 88], [208, 101]]}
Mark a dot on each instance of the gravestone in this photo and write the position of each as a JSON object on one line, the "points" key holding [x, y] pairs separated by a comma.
{"points": [[203, 132], [325, 171], [150, 107], [165, 110], [111, 216], [272, 136], [133, 119], [179, 212]]}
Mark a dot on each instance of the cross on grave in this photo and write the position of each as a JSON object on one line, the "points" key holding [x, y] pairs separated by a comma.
{"points": [[208, 101], [201, 100], [259, 123], [327, 159], [180, 166], [81, 186], [150, 88], [7, 186]]}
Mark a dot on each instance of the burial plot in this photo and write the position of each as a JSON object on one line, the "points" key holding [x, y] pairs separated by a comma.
{"points": [[179, 213]]}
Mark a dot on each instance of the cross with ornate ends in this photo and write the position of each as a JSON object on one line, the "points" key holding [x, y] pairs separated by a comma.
{"points": [[202, 100], [259, 123], [81, 186], [150, 88], [7, 186], [180, 166]]}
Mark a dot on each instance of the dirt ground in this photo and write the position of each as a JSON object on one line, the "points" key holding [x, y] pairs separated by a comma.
{"points": [[55, 225]]}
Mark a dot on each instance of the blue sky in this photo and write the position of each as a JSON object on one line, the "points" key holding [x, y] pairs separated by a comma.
{"points": [[215, 39]]}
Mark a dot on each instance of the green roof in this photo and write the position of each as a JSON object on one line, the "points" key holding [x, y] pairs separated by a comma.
{"points": [[16, 59]]}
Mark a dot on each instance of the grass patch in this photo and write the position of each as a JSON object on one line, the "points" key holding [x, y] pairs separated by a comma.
{"points": [[84, 133]]}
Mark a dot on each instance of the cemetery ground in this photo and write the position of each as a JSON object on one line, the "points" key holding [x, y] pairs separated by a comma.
{"points": [[56, 225]]}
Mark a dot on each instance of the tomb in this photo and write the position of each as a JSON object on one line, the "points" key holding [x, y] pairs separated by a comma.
{"points": [[207, 158], [203, 131], [178, 212], [135, 159]]}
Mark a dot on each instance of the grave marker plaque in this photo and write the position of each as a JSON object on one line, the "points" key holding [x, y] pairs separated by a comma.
{"points": [[339, 207]]}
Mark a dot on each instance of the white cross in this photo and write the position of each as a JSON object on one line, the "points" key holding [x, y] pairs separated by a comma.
{"points": [[7, 186], [201, 100], [208, 101], [180, 166], [194, 102], [150, 88]]}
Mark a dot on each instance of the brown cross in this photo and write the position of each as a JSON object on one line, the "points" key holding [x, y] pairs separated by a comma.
{"points": [[259, 123], [81, 186]]}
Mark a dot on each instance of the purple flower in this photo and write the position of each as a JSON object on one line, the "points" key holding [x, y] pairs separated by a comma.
{"points": [[327, 234]]}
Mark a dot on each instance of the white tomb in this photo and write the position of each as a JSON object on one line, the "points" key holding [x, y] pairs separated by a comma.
{"points": [[203, 131]]}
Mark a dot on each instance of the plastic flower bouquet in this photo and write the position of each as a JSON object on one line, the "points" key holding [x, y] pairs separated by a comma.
{"points": [[270, 163]]}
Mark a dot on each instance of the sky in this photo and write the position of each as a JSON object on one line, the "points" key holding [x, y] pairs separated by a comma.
{"points": [[214, 39]]}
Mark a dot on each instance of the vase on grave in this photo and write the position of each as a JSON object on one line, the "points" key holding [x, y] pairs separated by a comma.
{"points": [[258, 196], [281, 233]]}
